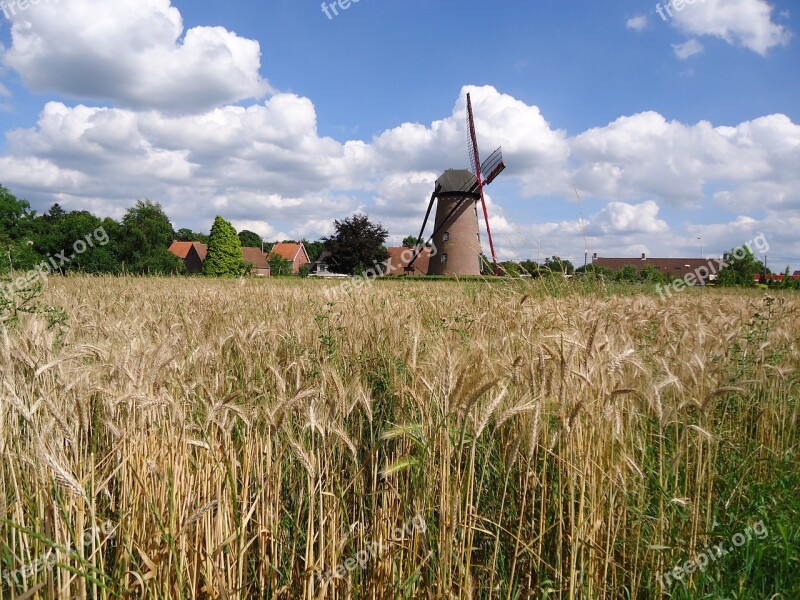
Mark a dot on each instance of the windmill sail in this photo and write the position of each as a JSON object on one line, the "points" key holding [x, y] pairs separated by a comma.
{"points": [[493, 166]]}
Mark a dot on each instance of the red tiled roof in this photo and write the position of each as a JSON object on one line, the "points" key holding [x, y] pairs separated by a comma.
{"points": [[288, 251], [255, 257], [182, 249], [399, 257]]}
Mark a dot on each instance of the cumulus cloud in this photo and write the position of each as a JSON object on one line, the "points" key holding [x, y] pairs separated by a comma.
{"points": [[623, 218], [746, 23], [687, 49], [645, 155], [133, 53], [637, 23], [267, 168]]}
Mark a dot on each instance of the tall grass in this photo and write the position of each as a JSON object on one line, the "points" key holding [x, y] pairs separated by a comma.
{"points": [[244, 438]]}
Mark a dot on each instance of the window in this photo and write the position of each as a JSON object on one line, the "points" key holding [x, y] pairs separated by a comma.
{"points": [[444, 258], [446, 236]]}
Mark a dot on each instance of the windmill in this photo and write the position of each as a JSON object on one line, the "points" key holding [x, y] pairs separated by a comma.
{"points": [[456, 236]]}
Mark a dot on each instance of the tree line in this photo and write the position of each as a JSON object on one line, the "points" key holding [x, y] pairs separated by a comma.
{"points": [[139, 244]]}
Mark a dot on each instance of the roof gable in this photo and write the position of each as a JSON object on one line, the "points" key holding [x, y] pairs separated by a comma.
{"points": [[290, 252]]}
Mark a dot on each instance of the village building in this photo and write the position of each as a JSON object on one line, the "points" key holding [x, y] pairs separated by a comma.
{"points": [[706, 269], [293, 252], [193, 255]]}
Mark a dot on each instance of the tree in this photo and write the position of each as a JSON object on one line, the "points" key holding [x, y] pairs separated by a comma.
{"points": [[627, 274], [510, 268], [187, 235], [224, 258], [412, 241], [742, 268], [357, 245], [279, 265], [555, 264], [12, 213], [651, 274], [145, 240], [250, 239], [314, 249]]}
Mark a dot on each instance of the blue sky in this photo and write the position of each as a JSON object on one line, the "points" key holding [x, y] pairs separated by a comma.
{"points": [[281, 119]]}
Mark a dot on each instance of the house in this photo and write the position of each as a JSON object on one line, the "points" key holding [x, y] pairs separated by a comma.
{"points": [[193, 255], [320, 267], [399, 257], [294, 253], [704, 269], [259, 261]]}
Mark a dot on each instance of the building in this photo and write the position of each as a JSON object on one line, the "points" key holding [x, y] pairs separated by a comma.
{"points": [[193, 255], [400, 256], [259, 261], [294, 253], [705, 269], [456, 236]]}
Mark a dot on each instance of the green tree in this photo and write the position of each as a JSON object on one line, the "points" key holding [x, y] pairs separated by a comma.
{"points": [[651, 274], [510, 268], [13, 214], [556, 264], [279, 266], [314, 249], [357, 245], [250, 239], [145, 238], [187, 235], [224, 258], [412, 241], [627, 274], [742, 268]]}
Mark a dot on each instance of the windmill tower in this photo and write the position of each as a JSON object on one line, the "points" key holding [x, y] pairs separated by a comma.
{"points": [[456, 236]]}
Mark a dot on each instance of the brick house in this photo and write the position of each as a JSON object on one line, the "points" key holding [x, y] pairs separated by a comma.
{"points": [[672, 268], [294, 253]]}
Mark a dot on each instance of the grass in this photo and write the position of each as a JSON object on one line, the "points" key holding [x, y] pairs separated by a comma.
{"points": [[560, 440]]}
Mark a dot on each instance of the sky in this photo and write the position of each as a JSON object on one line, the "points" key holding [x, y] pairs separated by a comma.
{"points": [[627, 126]]}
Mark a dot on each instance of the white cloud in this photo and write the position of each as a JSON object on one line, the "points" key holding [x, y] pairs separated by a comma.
{"points": [[133, 53], [746, 23], [637, 23], [622, 218], [644, 155], [687, 49], [266, 168]]}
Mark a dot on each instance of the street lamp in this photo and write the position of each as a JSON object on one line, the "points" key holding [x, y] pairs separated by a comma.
{"points": [[701, 247]]}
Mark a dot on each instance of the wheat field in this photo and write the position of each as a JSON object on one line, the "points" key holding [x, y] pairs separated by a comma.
{"points": [[194, 438]]}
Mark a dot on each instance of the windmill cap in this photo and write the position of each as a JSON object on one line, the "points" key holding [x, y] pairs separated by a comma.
{"points": [[455, 180]]}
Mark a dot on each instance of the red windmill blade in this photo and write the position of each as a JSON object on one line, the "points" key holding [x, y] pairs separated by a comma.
{"points": [[485, 173]]}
